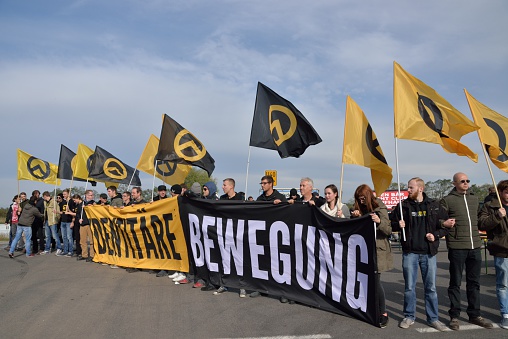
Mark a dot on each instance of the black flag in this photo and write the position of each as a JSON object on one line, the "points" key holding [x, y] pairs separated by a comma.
{"points": [[107, 168], [280, 126], [65, 164], [179, 145]]}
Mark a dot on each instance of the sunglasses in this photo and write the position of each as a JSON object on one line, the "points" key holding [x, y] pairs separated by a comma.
{"points": [[205, 189], [464, 181], [264, 183]]}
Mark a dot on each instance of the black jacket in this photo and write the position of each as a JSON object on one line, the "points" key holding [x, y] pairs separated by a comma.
{"points": [[435, 215]]}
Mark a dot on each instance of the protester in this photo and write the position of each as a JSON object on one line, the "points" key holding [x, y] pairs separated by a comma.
{"points": [[126, 199], [51, 218], [11, 219], [492, 218], [28, 214], [81, 219], [421, 221], [176, 190], [66, 225], [114, 196], [293, 195], [210, 191], [464, 243], [269, 193], [161, 193], [38, 225], [367, 204], [136, 196], [103, 199], [333, 206]]}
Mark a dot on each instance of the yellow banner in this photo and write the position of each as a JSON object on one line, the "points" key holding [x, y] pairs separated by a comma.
{"points": [[35, 169], [141, 236], [362, 148], [492, 132], [169, 172], [420, 113]]}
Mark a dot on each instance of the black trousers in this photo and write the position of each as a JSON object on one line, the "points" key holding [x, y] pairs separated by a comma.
{"points": [[37, 236], [77, 238], [471, 260]]}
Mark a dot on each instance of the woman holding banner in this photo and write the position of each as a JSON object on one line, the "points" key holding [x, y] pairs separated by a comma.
{"points": [[367, 203], [333, 206]]}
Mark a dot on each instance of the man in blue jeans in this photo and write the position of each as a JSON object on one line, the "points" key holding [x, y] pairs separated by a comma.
{"points": [[28, 213], [65, 225], [421, 222], [51, 217]]}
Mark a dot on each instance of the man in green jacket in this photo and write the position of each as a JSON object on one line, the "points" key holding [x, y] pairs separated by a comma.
{"points": [[492, 218], [464, 243]]}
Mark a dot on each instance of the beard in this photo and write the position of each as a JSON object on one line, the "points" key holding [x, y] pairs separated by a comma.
{"points": [[414, 195]]}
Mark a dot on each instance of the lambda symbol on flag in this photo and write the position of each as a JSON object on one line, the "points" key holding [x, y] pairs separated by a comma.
{"points": [[189, 141], [373, 144], [40, 169], [275, 124], [501, 136], [114, 169], [170, 170], [437, 124]]}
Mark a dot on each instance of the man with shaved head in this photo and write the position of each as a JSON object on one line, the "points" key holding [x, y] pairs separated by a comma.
{"points": [[463, 242]]}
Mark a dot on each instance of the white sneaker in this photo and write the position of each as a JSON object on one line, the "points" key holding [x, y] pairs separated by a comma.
{"points": [[180, 277], [174, 275], [438, 326], [44, 253], [58, 252], [113, 266], [406, 322]]}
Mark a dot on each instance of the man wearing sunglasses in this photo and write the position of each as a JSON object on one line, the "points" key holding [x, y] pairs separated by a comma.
{"points": [[463, 242], [269, 193]]}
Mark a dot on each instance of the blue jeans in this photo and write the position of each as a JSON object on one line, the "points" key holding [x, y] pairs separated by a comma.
{"points": [[28, 239], [51, 230], [428, 267], [68, 243], [501, 265]]}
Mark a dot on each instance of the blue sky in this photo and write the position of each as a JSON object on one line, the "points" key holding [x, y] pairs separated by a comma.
{"points": [[103, 73]]}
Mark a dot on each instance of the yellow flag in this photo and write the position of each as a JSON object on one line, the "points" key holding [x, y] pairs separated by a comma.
{"points": [[169, 172], [83, 162], [35, 169], [362, 148], [492, 132], [422, 114]]}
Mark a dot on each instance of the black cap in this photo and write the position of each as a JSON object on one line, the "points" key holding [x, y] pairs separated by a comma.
{"points": [[162, 188], [292, 192], [176, 189]]}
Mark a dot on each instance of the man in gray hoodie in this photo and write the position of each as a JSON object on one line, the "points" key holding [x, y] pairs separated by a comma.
{"points": [[28, 214]]}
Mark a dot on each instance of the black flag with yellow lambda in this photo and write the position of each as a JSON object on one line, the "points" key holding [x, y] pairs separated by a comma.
{"points": [[179, 145], [279, 125], [107, 167]]}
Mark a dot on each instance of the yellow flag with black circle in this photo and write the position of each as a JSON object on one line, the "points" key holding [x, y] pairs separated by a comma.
{"points": [[492, 132], [279, 125], [106, 167], [420, 113], [35, 169], [169, 172], [361, 147], [67, 158], [81, 166], [180, 146]]}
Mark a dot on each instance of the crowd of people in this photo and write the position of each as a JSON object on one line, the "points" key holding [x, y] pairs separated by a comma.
{"points": [[60, 223]]}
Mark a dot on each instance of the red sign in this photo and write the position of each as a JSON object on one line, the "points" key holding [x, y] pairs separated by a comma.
{"points": [[391, 198]]}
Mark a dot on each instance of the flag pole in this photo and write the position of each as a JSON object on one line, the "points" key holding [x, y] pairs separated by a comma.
{"points": [[54, 203], [398, 187], [341, 178], [343, 149], [132, 178], [247, 175], [153, 181], [484, 150]]}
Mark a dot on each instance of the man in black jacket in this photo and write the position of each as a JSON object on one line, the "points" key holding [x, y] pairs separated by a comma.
{"points": [[421, 221]]}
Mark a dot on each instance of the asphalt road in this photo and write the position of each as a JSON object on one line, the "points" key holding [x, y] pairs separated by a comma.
{"points": [[59, 297]]}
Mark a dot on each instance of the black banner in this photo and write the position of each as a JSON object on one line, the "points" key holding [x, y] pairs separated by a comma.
{"points": [[294, 251]]}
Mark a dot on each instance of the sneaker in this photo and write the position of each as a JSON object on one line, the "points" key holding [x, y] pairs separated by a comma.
{"points": [[30, 255], [174, 275], [44, 253], [104, 264], [480, 321], [438, 326], [383, 320], [254, 294], [198, 285], [58, 252], [113, 266], [504, 322], [220, 290], [89, 259], [179, 277], [406, 322], [161, 274], [243, 293], [208, 287], [80, 257], [11, 255], [68, 255], [454, 324], [183, 281]]}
